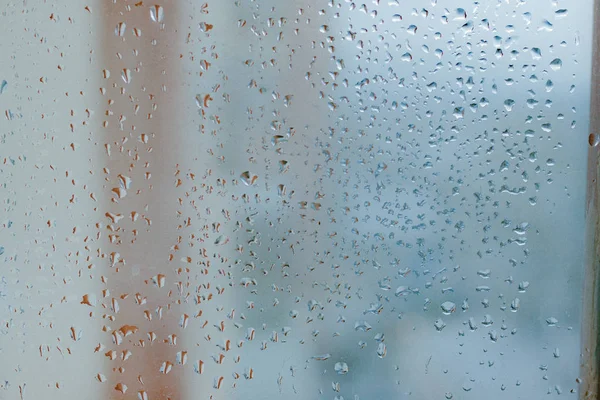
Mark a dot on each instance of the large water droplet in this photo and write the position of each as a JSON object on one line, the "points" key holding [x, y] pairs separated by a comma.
{"points": [[448, 307], [556, 64], [341, 368], [157, 13]]}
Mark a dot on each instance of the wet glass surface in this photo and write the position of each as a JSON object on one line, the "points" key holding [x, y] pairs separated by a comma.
{"points": [[304, 199]]}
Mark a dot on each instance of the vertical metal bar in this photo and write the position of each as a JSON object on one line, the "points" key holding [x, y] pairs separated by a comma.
{"points": [[589, 388]]}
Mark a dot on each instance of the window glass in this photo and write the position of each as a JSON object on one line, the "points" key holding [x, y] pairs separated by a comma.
{"points": [[249, 199]]}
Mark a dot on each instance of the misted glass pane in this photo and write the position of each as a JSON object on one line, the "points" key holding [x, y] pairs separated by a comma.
{"points": [[261, 199]]}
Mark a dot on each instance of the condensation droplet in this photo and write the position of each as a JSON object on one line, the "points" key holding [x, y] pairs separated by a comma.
{"points": [[341, 368], [556, 64], [126, 75], [157, 13], [448, 307], [120, 29]]}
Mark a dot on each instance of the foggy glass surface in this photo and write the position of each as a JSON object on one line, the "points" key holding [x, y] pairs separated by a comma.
{"points": [[304, 199]]}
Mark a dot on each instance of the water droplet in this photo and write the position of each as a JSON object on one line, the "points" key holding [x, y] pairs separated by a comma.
{"points": [[156, 13], [556, 64], [362, 326], [484, 273], [515, 304], [460, 14], [89, 300], [556, 353], [381, 350], [341, 368], [402, 291], [439, 325], [448, 307], [472, 324], [487, 320], [248, 178], [159, 280], [126, 75], [561, 13], [120, 29], [121, 387]]}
